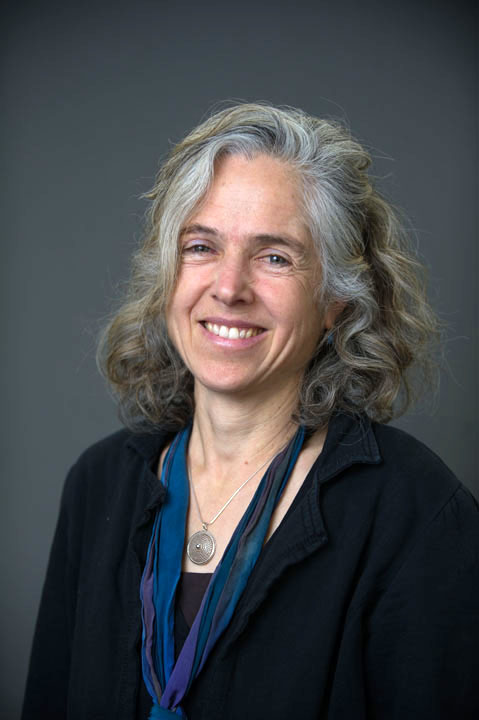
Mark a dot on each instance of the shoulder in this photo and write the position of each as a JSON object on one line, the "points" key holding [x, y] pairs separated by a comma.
{"points": [[415, 477], [100, 460], [427, 523], [112, 465], [107, 492], [409, 462], [421, 503], [106, 449], [383, 460], [407, 452], [113, 449], [397, 494]]}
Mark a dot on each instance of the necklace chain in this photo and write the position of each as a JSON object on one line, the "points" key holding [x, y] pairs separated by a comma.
{"points": [[201, 546], [207, 524]]}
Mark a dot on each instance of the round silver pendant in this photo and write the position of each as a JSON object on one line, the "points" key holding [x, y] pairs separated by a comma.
{"points": [[201, 547]]}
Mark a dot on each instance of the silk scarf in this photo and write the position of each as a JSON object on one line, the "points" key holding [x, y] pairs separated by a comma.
{"points": [[168, 681]]}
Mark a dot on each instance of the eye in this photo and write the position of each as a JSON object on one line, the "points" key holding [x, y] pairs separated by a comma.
{"points": [[196, 249], [197, 252], [275, 260]]}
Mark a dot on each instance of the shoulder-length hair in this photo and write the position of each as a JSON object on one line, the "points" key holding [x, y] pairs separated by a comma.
{"points": [[386, 324]]}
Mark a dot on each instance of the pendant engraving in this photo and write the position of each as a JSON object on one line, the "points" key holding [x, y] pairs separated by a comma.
{"points": [[201, 547]]}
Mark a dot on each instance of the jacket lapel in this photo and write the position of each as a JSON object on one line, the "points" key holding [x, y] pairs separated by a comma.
{"points": [[303, 531]]}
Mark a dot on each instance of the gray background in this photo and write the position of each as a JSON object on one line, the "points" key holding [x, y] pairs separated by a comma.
{"points": [[92, 96]]}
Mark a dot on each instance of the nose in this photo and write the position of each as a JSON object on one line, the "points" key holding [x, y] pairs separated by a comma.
{"points": [[232, 281]]}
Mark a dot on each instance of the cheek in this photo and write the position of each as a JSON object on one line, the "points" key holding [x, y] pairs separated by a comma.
{"points": [[180, 312], [179, 303], [296, 306], [313, 325], [170, 329], [174, 318]]}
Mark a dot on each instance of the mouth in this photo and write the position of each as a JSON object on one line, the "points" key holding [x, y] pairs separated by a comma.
{"points": [[232, 332]]}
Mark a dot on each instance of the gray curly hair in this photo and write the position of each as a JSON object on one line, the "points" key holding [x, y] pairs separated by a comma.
{"points": [[385, 328]]}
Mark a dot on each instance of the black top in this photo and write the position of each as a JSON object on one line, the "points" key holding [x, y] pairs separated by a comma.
{"points": [[363, 605], [189, 594], [191, 588]]}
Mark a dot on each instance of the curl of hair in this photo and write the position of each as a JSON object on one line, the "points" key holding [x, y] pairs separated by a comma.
{"points": [[385, 328]]}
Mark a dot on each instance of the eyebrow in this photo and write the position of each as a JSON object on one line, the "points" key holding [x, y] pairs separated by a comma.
{"points": [[196, 228], [266, 238]]}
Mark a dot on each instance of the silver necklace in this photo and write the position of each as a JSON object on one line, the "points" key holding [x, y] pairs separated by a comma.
{"points": [[201, 545]]}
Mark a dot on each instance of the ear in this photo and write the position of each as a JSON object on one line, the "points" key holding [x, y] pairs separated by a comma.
{"points": [[334, 310]]}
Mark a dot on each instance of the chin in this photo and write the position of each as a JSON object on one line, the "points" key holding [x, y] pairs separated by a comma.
{"points": [[221, 381], [225, 387]]}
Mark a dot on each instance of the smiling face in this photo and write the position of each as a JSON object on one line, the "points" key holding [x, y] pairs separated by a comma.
{"points": [[242, 315]]}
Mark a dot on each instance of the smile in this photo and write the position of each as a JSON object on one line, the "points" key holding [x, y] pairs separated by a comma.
{"points": [[231, 333]]}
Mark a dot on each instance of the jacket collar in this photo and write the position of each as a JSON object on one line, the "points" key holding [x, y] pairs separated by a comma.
{"points": [[148, 445], [350, 439]]}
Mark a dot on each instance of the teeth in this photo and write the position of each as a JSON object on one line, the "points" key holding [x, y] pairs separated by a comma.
{"points": [[231, 333]]}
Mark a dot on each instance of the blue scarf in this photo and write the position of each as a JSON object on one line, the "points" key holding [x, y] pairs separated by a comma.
{"points": [[168, 682]]}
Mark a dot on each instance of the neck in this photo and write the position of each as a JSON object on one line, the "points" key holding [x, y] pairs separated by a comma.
{"points": [[232, 437]]}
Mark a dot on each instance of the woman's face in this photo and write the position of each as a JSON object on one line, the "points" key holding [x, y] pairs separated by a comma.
{"points": [[243, 316]]}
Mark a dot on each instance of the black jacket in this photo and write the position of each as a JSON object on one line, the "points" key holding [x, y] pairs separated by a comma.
{"points": [[363, 604]]}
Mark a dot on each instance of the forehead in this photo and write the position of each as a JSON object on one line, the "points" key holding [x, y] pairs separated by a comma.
{"points": [[253, 196]]}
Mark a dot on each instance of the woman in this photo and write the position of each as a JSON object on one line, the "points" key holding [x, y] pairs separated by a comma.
{"points": [[261, 545]]}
